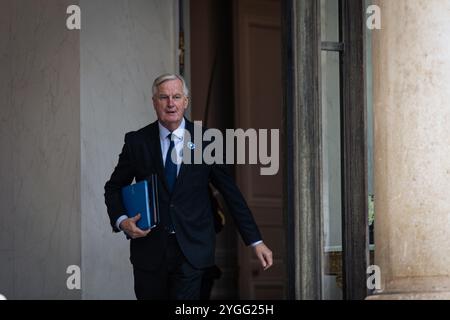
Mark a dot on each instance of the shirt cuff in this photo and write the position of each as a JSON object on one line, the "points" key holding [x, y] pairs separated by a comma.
{"points": [[254, 244], [119, 221]]}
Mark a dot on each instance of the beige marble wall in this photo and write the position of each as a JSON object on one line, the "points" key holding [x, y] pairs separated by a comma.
{"points": [[39, 158], [412, 165], [124, 46], [60, 145]]}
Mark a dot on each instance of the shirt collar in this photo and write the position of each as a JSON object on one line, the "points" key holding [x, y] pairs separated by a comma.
{"points": [[178, 132]]}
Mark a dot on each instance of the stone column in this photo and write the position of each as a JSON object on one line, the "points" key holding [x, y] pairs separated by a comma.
{"points": [[411, 61]]}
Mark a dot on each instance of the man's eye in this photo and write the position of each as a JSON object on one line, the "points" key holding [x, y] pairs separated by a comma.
{"points": [[163, 97], [177, 97]]}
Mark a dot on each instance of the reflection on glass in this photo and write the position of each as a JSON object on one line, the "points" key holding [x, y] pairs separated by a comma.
{"points": [[331, 184], [329, 18]]}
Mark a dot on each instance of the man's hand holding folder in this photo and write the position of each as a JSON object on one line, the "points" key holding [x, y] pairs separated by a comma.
{"points": [[130, 228], [141, 204]]}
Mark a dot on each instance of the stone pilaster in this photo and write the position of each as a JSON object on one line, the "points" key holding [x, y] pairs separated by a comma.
{"points": [[411, 66]]}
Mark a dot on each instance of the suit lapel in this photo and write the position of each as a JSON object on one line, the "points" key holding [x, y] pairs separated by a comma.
{"points": [[189, 126], [155, 148]]}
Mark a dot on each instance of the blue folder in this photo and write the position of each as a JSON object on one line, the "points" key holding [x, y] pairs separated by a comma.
{"points": [[142, 197]]}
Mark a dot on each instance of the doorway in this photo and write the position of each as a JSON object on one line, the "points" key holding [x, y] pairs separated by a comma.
{"points": [[236, 82]]}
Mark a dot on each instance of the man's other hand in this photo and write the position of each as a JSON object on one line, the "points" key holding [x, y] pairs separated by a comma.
{"points": [[130, 228], [264, 255]]}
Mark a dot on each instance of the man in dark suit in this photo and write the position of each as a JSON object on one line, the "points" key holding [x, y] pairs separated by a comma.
{"points": [[169, 261]]}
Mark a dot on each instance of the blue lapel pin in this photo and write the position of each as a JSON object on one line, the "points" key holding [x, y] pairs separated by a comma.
{"points": [[191, 145]]}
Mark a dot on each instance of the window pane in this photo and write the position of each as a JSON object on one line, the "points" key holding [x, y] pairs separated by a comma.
{"points": [[331, 184], [329, 18]]}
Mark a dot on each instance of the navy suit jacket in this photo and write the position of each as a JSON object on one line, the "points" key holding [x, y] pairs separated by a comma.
{"points": [[189, 204]]}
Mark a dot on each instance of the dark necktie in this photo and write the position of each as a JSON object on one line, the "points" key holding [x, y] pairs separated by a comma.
{"points": [[170, 168], [170, 171]]}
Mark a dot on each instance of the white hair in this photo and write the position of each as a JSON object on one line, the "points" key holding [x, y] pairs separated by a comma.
{"points": [[167, 77]]}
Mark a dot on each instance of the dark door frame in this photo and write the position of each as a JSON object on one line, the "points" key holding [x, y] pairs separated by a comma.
{"points": [[301, 52], [355, 227], [302, 115]]}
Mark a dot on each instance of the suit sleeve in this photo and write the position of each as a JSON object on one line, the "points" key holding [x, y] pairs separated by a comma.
{"points": [[122, 175], [239, 210]]}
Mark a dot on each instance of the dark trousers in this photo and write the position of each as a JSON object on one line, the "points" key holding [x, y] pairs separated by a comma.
{"points": [[175, 279]]}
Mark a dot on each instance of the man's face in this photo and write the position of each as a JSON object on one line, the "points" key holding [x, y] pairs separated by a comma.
{"points": [[170, 103]]}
